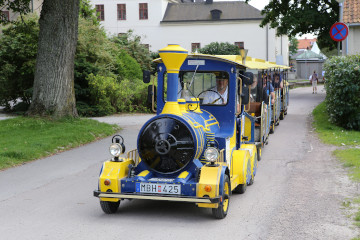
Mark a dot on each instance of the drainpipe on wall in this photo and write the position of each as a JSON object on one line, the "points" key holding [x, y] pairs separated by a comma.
{"points": [[32, 6], [267, 42]]}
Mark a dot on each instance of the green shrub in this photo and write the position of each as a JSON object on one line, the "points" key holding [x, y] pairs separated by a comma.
{"points": [[110, 96], [18, 48], [223, 48], [343, 91]]}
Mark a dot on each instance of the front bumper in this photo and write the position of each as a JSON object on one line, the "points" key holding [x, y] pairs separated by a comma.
{"points": [[155, 197]]}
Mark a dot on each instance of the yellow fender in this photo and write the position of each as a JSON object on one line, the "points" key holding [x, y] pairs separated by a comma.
{"points": [[239, 166], [253, 152], [209, 179], [111, 174]]}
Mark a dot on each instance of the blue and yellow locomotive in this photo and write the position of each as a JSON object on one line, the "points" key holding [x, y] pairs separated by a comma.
{"points": [[194, 149]]}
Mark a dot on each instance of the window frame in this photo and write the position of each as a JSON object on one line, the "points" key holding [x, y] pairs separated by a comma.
{"points": [[240, 45], [6, 14], [121, 11], [100, 8], [195, 46], [143, 11]]}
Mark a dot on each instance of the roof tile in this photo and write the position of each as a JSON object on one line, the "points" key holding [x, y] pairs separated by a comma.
{"points": [[351, 11]]}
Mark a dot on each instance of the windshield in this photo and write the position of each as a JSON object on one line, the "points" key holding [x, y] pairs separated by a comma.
{"points": [[210, 87]]}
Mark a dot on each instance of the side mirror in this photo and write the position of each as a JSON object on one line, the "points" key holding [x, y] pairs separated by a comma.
{"points": [[146, 76], [248, 78], [245, 96]]}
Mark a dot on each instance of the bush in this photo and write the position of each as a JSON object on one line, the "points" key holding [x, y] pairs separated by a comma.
{"points": [[18, 48], [110, 96], [223, 48], [343, 91]]}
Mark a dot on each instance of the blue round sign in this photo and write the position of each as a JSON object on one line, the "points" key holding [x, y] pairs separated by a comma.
{"points": [[339, 31]]}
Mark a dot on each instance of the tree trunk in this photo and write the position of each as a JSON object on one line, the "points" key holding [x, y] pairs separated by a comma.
{"points": [[53, 92]]}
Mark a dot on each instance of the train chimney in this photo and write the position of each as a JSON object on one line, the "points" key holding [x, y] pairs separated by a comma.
{"points": [[173, 57]]}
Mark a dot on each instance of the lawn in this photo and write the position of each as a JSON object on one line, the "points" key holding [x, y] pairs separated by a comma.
{"points": [[25, 139]]}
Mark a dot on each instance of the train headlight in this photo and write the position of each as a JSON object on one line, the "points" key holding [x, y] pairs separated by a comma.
{"points": [[115, 149], [211, 154]]}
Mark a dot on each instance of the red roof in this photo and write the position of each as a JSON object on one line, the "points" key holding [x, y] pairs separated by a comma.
{"points": [[306, 43], [351, 13]]}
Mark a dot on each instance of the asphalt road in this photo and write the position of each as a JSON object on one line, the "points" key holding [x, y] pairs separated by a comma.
{"points": [[298, 193]]}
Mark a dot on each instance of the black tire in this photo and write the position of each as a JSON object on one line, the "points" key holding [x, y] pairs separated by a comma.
{"points": [[282, 115], [272, 128], [258, 152], [109, 207], [222, 210]]}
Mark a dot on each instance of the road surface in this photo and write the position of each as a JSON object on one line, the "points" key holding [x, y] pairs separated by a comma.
{"points": [[298, 193]]}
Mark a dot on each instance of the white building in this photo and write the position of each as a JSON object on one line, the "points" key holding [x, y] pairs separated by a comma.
{"points": [[193, 25]]}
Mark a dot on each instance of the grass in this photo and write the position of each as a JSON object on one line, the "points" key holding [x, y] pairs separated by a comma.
{"points": [[25, 139], [332, 134], [349, 154]]}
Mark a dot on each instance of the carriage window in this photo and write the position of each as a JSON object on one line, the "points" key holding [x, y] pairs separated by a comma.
{"points": [[210, 87]]}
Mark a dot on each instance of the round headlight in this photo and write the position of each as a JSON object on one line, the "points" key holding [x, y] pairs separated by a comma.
{"points": [[211, 154], [115, 149]]}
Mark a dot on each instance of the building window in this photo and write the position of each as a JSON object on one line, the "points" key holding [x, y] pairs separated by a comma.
{"points": [[143, 11], [121, 8], [5, 15], [195, 47], [240, 45], [100, 12]]}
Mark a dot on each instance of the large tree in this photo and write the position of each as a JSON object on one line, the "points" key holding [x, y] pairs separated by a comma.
{"points": [[292, 17], [53, 91]]}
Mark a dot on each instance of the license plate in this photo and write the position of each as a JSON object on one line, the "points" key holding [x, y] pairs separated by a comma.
{"points": [[158, 188]]}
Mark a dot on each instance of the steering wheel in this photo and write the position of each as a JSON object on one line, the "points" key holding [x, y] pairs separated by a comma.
{"points": [[210, 90]]}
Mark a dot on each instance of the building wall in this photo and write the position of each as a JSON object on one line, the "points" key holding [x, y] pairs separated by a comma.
{"points": [[145, 27], [159, 35], [305, 68], [352, 41]]}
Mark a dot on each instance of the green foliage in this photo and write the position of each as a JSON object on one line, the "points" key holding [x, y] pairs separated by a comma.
{"points": [[25, 139], [132, 45], [223, 48], [343, 91], [88, 12], [18, 6], [329, 132], [293, 45], [96, 54], [112, 96], [17, 60], [127, 67], [292, 17]]}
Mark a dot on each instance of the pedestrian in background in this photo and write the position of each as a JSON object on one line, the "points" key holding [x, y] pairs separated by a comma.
{"points": [[314, 81]]}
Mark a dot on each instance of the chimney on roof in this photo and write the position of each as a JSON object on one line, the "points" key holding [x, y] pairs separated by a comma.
{"points": [[215, 14], [209, 2]]}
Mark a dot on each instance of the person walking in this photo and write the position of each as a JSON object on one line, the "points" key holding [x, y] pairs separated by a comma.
{"points": [[314, 81]]}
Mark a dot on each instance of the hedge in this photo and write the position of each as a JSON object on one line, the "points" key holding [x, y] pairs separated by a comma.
{"points": [[342, 86]]}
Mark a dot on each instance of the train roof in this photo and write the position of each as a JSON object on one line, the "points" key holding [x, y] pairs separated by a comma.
{"points": [[251, 63], [221, 58]]}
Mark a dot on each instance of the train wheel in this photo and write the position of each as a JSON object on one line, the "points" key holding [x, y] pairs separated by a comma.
{"points": [[272, 128], [259, 153], [109, 207], [282, 115], [223, 208]]}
